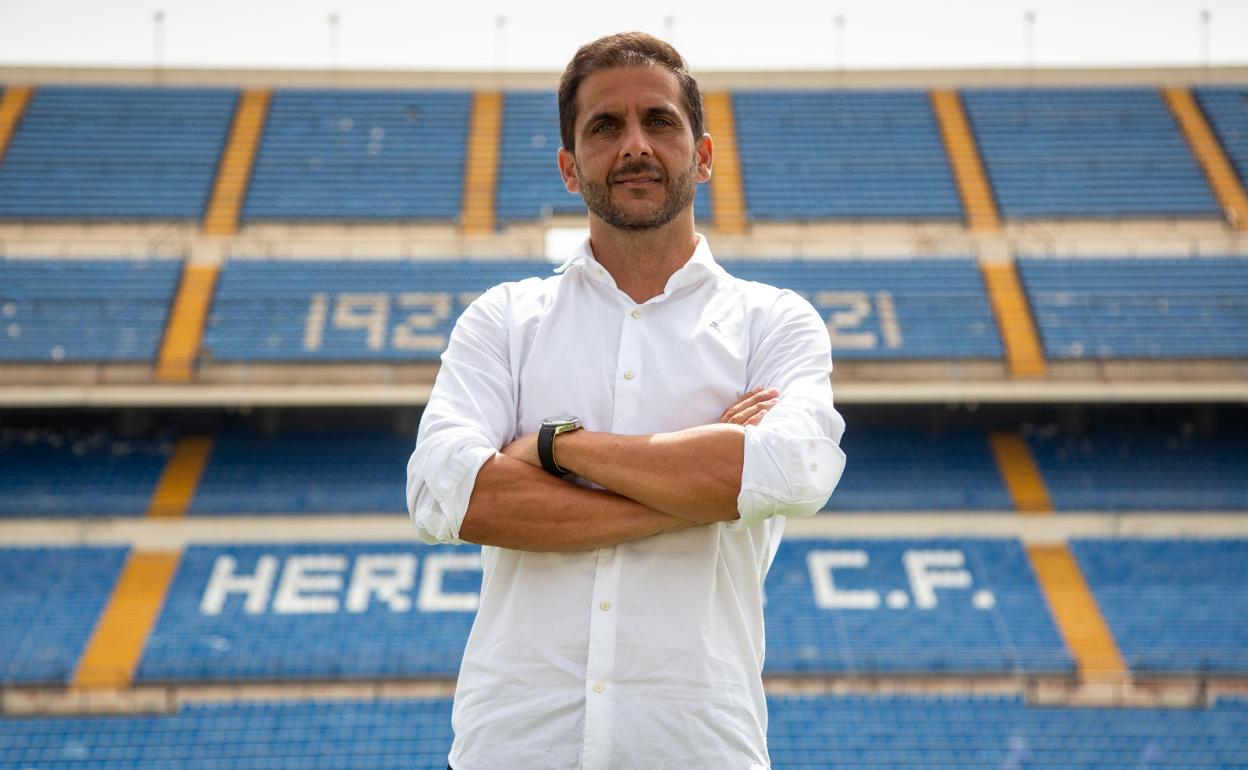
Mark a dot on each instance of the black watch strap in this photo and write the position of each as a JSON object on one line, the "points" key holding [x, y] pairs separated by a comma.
{"points": [[546, 450]]}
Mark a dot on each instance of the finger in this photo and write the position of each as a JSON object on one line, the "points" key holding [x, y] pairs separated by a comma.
{"points": [[739, 402], [748, 400], [759, 409]]}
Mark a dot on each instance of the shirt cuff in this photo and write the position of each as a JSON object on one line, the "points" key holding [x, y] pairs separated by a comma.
{"points": [[441, 475], [785, 475]]}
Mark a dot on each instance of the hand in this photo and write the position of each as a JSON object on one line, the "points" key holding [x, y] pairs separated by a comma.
{"points": [[525, 449], [752, 407]]}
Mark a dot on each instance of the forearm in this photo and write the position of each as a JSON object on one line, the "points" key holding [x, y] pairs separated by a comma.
{"points": [[693, 474], [515, 505]]}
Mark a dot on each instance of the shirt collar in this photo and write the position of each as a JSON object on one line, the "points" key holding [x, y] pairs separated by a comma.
{"points": [[701, 265]]}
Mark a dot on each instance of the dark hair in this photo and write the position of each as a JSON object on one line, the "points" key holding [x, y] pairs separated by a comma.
{"points": [[627, 49]]}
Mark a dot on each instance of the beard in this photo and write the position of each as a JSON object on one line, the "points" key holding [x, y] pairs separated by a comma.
{"points": [[679, 192]]}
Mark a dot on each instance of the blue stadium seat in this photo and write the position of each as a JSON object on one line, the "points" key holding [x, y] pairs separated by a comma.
{"points": [[805, 733], [1161, 467], [837, 606], [303, 473], [906, 470], [50, 601], [84, 310], [1087, 152], [213, 629], [529, 185], [1226, 108], [380, 155], [1173, 605], [120, 152], [890, 309], [248, 612], [843, 155], [1139, 308], [396, 311], [71, 473], [347, 310]]}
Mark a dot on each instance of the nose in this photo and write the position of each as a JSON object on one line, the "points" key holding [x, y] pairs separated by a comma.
{"points": [[636, 144]]}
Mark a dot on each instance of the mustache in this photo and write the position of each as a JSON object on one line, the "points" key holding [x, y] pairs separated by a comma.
{"points": [[638, 168]]}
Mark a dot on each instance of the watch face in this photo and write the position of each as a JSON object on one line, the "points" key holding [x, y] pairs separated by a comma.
{"points": [[563, 419]]}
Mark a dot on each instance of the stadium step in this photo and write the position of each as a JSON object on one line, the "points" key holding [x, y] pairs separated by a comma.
{"points": [[968, 167], [12, 107], [181, 476], [481, 168], [1210, 155], [1014, 318], [1020, 473], [1078, 616], [727, 192], [113, 653], [230, 189], [186, 323]]}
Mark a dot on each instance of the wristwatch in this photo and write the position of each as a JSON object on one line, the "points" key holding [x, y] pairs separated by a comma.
{"points": [[551, 427]]}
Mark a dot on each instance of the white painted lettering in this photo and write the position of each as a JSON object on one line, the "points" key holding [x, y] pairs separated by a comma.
{"points": [[827, 595], [432, 598], [388, 576], [225, 582], [301, 591], [367, 311], [929, 570]]}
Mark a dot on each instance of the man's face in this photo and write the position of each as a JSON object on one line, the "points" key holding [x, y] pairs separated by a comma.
{"points": [[636, 163]]}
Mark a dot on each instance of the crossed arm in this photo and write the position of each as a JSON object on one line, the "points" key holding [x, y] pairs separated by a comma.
{"points": [[659, 483]]}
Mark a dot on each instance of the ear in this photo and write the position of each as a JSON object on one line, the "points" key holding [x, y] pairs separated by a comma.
{"points": [[705, 150], [567, 170]]}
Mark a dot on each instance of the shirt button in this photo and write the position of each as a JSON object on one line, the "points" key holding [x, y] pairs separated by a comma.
{"points": [[599, 687], [636, 313], [814, 466], [628, 374], [604, 606]]}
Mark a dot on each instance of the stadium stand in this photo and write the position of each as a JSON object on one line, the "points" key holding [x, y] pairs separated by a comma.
{"points": [[1139, 308], [890, 309], [1226, 107], [340, 310], [373, 155], [327, 611], [72, 473], [57, 310], [805, 733], [904, 469], [49, 601], [1175, 606], [1152, 467], [310, 473], [842, 154], [529, 186], [240, 605], [315, 611], [1095, 152], [350, 311], [115, 153]]}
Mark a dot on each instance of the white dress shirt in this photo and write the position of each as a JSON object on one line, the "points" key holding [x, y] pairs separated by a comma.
{"points": [[647, 654]]}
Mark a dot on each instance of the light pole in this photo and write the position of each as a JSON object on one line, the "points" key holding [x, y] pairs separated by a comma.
{"points": [[158, 41], [1205, 20], [333, 41], [838, 41], [1029, 39]]}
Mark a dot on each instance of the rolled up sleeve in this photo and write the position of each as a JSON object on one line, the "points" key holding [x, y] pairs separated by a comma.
{"points": [[793, 459], [470, 415]]}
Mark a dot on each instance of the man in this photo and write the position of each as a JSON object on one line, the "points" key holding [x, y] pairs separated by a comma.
{"points": [[685, 414]]}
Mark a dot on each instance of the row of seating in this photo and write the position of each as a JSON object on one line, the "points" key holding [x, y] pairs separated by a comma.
{"points": [[263, 310], [804, 733], [315, 611], [143, 153], [1169, 466]]}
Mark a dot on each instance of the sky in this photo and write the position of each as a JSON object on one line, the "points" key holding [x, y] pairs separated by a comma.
{"points": [[543, 34]]}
